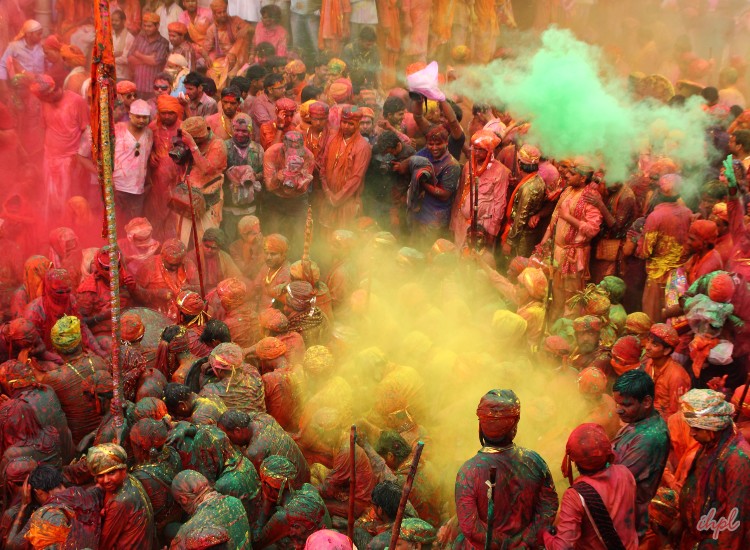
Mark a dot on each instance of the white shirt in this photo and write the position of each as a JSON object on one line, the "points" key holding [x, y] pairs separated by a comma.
{"points": [[129, 175], [167, 15], [249, 10], [122, 44]]}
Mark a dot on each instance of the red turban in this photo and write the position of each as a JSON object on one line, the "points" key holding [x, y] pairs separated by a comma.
{"points": [[721, 288], [73, 55], [626, 354], [232, 292], [486, 140], [52, 42], [556, 345], [589, 447], [276, 243], [125, 87], [42, 85], [351, 113], [665, 333], [300, 295], [592, 381], [285, 104], [178, 27], [132, 328], [190, 303], [270, 348], [587, 323], [167, 103], [638, 323], [498, 413], [318, 110], [367, 112], [273, 320], [340, 90], [705, 230]]}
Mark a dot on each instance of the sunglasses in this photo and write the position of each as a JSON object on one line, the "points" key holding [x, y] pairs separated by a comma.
{"points": [[137, 149], [164, 87], [131, 96]]}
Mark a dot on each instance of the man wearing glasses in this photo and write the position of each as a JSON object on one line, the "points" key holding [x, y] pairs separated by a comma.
{"points": [[133, 141], [264, 107]]}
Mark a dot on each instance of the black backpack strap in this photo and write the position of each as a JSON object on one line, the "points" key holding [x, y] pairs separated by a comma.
{"points": [[599, 515]]}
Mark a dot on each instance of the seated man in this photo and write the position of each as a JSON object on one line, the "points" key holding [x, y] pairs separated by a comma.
{"points": [[239, 384]]}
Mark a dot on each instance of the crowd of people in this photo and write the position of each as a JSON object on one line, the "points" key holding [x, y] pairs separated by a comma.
{"points": [[311, 245]]}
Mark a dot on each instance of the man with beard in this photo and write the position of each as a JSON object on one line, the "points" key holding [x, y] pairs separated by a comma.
{"points": [[587, 351], [275, 276], [221, 122]]}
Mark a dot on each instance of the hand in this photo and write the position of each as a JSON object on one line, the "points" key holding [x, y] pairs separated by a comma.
{"points": [[718, 384], [729, 172], [594, 199], [128, 280], [231, 60], [400, 167], [26, 492], [534, 221], [189, 141]]}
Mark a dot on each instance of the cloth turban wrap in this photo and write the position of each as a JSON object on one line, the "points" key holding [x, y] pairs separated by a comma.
{"points": [[508, 325], [615, 287], [139, 230], [706, 410], [19, 468], [437, 132], [125, 87], [328, 540], [15, 375], [589, 447], [226, 356], [66, 334], [270, 348], [22, 332], [587, 323], [132, 328], [276, 243], [165, 103], [662, 166], [190, 482], [178, 59], [720, 211], [340, 90], [592, 381], [105, 458], [178, 27], [190, 302], [277, 470], [247, 222], [304, 110], [29, 26], [534, 281], [336, 66], [705, 230], [517, 264], [285, 104], [721, 288], [49, 526], [297, 271], [300, 295], [232, 292], [100, 382], [318, 360], [150, 17], [73, 55], [242, 120], [319, 110], [367, 112], [485, 140], [627, 350], [597, 304], [295, 66], [149, 434], [498, 413], [351, 113], [173, 250], [384, 238], [556, 345], [417, 530], [638, 323], [273, 320], [528, 154], [665, 333], [42, 85], [195, 126], [149, 407]]}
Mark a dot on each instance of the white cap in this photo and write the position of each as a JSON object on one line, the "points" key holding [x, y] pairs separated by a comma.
{"points": [[177, 59], [140, 108]]}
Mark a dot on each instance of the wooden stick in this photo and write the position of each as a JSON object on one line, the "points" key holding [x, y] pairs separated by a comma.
{"points": [[194, 231], [490, 508], [405, 496], [352, 482]]}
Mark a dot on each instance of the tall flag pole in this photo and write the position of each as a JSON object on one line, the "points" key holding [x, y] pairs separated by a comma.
{"points": [[103, 82]]}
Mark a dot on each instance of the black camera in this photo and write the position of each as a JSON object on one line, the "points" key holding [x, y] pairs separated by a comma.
{"points": [[385, 162], [180, 153]]}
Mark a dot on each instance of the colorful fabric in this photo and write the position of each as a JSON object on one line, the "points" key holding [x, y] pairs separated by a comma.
{"points": [[190, 303], [226, 356], [131, 327], [276, 243], [592, 381], [270, 348], [721, 288], [587, 323], [277, 471], [666, 334], [273, 320], [638, 323], [498, 413], [318, 361], [705, 230], [556, 345], [105, 458], [66, 334], [126, 87], [535, 282], [707, 410], [615, 288], [589, 447], [49, 526]]}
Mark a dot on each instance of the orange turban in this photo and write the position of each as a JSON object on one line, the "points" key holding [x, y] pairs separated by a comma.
{"points": [[73, 55], [190, 303], [298, 272], [195, 126], [273, 320], [270, 348], [367, 112], [276, 243], [178, 27], [705, 230], [232, 292], [150, 17], [132, 327], [721, 288], [125, 87], [166, 102], [340, 90], [534, 281], [592, 381], [589, 448]]}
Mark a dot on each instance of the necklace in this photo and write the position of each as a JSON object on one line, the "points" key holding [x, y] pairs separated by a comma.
{"points": [[227, 127], [340, 151], [271, 277]]}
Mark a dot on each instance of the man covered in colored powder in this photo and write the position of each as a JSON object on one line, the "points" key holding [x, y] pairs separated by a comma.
{"points": [[525, 497]]}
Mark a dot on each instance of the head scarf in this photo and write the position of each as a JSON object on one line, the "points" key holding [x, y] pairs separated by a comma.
{"points": [[66, 334], [276, 243], [528, 154], [417, 530], [285, 104], [195, 126], [34, 270], [318, 361], [351, 113], [336, 67], [486, 140], [508, 326], [498, 413], [42, 85], [73, 55], [52, 42], [300, 295], [340, 90], [49, 526], [592, 381], [627, 350], [589, 448], [125, 87], [173, 250], [105, 458], [534, 281], [277, 471], [721, 211], [232, 292], [226, 356], [190, 482], [706, 410], [295, 66], [326, 539], [615, 288], [587, 323], [190, 303], [556, 345], [665, 333], [29, 26], [270, 348], [150, 17], [638, 323], [178, 27], [273, 320], [15, 375], [367, 112], [705, 230], [721, 288], [318, 109], [167, 103], [178, 59], [132, 328]]}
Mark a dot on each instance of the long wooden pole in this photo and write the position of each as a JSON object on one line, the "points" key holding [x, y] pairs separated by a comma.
{"points": [[103, 78], [405, 496], [352, 482]]}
